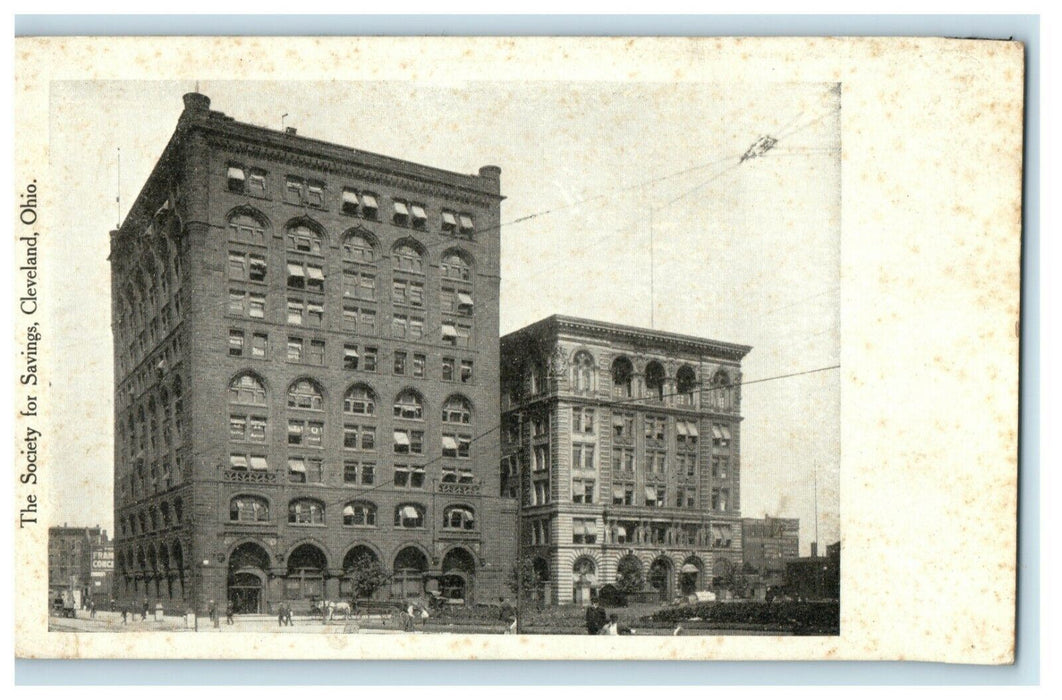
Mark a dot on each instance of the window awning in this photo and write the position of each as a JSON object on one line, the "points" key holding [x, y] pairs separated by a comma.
{"points": [[295, 269], [617, 492], [466, 223], [409, 513], [297, 465], [235, 173], [418, 212], [259, 464], [348, 510], [401, 438], [400, 209], [650, 493], [726, 432], [350, 197], [315, 273], [716, 432], [680, 426], [448, 219], [464, 298], [449, 442], [621, 531], [689, 568], [368, 201], [350, 352], [238, 462], [693, 428], [448, 331]]}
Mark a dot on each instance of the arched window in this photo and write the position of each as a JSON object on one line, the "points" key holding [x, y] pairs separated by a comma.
{"points": [[246, 228], [303, 239], [305, 394], [357, 248], [247, 388], [360, 399], [406, 258], [409, 406], [654, 380], [178, 510], [459, 518], [685, 385], [583, 372], [164, 509], [306, 511], [251, 509], [455, 266], [622, 378], [721, 390], [359, 513], [457, 409], [409, 515]]}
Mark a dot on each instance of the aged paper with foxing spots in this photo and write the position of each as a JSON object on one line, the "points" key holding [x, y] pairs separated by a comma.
{"points": [[926, 303]]}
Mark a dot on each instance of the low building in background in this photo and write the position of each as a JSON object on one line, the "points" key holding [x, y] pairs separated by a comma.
{"points": [[624, 446], [815, 577], [766, 545], [81, 562]]}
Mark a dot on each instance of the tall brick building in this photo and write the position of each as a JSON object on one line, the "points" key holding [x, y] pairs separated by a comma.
{"points": [[625, 445], [81, 559], [305, 349], [768, 543]]}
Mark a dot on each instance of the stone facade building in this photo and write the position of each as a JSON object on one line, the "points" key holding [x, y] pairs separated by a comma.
{"points": [[624, 445], [305, 350]]}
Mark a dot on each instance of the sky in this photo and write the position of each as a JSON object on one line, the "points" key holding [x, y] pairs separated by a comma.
{"points": [[599, 179]]}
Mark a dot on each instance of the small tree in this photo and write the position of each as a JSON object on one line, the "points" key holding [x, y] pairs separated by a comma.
{"points": [[367, 576], [524, 571], [629, 575]]}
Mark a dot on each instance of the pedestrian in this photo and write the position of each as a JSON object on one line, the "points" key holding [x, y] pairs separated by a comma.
{"points": [[228, 613], [144, 611], [212, 610], [611, 628], [92, 609], [280, 615], [596, 618], [125, 614], [113, 607], [511, 629], [407, 618], [288, 615]]}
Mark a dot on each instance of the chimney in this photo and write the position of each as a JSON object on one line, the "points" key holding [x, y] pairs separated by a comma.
{"points": [[194, 102], [290, 130]]}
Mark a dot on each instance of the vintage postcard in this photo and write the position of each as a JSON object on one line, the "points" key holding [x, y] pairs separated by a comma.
{"points": [[517, 348]]}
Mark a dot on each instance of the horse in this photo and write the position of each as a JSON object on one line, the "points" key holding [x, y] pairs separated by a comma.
{"points": [[331, 609]]}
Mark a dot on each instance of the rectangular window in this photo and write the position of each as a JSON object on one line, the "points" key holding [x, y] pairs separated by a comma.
{"points": [[369, 360], [259, 344], [257, 431], [236, 178], [584, 531], [359, 437], [350, 201], [295, 349], [293, 190], [448, 369], [583, 490], [237, 427], [237, 266], [720, 498], [256, 305], [541, 458], [720, 464], [316, 355], [687, 433], [583, 456], [623, 459], [363, 473], [409, 476], [256, 182], [583, 420], [256, 268], [236, 343], [409, 442], [466, 371], [314, 314], [315, 193], [419, 362], [454, 445], [623, 427], [400, 362], [720, 435], [655, 428], [350, 356], [295, 311]]}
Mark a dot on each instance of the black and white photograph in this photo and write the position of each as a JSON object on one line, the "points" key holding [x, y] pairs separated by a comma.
{"points": [[403, 358]]}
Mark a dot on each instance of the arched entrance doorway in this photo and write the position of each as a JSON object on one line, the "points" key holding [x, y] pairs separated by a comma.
{"points": [[691, 576], [363, 575], [408, 581], [306, 570], [660, 578], [247, 566], [458, 575], [584, 580]]}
